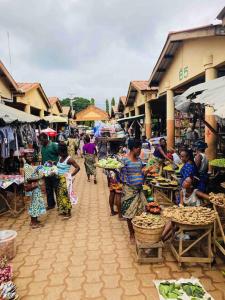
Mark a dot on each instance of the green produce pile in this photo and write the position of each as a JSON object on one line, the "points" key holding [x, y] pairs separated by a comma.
{"points": [[109, 163], [176, 290], [219, 162]]}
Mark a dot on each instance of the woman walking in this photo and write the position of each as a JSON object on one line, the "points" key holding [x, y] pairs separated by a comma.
{"points": [[133, 199], [64, 164], [89, 152], [33, 190]]}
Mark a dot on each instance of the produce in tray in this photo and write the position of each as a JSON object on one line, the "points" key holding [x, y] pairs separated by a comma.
{"points": [[148, 221], [153, 208], [217, 199], [190, 215], [219, 162], [176, 290], [109, 163]]}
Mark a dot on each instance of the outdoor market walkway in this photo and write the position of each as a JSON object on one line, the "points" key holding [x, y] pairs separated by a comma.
{"points": [[89, 256]]}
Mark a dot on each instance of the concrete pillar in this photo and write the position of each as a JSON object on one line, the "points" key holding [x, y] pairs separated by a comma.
{"points": [[27, 108], [210, 137], [170, 118], [137, 110], [42, 113], [148, 121]]}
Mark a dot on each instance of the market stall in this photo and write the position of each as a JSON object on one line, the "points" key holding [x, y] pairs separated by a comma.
{"points": [[17, 132], [15, 182]]}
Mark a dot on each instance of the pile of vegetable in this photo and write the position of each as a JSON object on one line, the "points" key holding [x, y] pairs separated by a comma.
{"points": [[217, 199], [109, 163], [153, 208], [219, 162], [190, 215], [172, 290], [5, 270], [148, 221]]}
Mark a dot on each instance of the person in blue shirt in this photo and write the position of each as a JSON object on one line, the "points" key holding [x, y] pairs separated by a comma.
{"points": [[133, 200], [189, 168]]}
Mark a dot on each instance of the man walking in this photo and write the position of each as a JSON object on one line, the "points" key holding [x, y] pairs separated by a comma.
{"points": [[49, 152]]}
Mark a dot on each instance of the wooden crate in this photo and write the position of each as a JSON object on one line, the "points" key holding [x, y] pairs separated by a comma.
{"points": [[149, 253]]}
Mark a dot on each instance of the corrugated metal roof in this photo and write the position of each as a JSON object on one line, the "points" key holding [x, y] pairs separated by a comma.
{"points": [[9, 115]]}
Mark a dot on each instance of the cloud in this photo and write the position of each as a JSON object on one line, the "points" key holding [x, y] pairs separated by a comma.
{"points": [[92, 48]]}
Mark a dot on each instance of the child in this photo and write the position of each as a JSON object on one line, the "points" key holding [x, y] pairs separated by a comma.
{"points": [[115, 188], [32, 188]]}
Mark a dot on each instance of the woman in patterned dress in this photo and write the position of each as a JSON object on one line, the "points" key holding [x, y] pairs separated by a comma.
{"points": [[133, 200], [32, 188], [64, 164]]}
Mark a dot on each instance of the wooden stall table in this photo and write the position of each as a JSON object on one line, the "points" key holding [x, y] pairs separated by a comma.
{"points": [[12, 182], [219, 228], [181, 248], [168, 191]]}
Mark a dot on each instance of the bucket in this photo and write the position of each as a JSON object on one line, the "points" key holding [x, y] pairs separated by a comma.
{"points": [[8, 243]]}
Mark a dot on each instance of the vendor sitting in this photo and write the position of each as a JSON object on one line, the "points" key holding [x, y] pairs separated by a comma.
{"points": [[189, 196]]}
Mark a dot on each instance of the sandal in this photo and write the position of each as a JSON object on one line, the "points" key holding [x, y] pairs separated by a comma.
{"points": [[95, 181], [34, 226]]}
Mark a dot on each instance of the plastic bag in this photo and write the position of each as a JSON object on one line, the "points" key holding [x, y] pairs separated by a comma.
{"points": [[71, 193]]}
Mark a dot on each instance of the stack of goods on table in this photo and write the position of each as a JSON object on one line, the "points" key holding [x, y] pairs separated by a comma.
{"points": [[152, 168], [190, 215], [7, 180], [164, 182], [109, 163], [218, 163], [217, 199], [173, 168], [7, 287]]}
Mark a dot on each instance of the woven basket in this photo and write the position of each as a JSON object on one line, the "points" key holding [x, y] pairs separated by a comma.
{"points": [[148, 235]]}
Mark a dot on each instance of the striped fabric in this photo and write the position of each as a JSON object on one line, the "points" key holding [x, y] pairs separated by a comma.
{"points": [[132, 173]]}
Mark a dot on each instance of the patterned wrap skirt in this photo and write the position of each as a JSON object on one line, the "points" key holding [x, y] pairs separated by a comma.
{"points": [[133, 201], [37, 205], [89, 163], [63, 200]]}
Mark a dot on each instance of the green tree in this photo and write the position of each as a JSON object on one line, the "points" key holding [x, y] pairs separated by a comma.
{"points": [[92, 101], [79, 103], [113, 102], [107, 106]]}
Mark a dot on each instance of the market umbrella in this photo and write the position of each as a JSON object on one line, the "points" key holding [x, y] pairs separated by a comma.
{"points": [[49, 131], [209, 93]]}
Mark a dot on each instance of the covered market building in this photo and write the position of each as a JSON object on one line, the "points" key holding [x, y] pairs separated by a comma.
{"points": [[188, 58]]}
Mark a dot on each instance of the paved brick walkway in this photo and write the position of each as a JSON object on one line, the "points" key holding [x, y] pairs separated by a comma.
{"points": [[89, 256]]}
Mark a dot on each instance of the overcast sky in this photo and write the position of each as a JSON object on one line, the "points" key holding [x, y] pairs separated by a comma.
{"points": [[92, 48]]}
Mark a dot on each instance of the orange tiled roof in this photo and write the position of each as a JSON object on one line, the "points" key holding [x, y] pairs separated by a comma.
{"points": [[123, 99], [141, 85], [53, 100], [8, 76], [25, 87]]}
